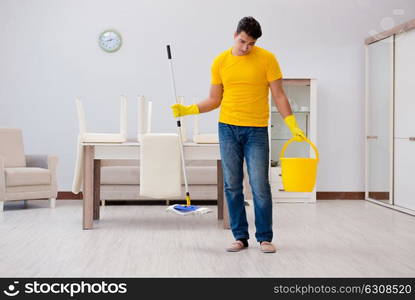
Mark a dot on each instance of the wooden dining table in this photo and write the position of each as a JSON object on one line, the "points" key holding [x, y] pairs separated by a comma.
{"points": [[95, 152]]}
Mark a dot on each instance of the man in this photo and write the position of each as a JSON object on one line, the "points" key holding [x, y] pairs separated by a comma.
{"points": [[240, 80]]}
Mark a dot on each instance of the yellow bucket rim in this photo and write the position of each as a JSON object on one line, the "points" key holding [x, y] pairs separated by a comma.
{"points": [[293, 140]]}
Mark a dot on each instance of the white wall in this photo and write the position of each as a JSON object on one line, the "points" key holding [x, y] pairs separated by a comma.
{"points": [[50, 55]]}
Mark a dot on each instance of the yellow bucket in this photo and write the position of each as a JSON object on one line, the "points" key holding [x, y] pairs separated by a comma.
{"points": [[298, 174]]}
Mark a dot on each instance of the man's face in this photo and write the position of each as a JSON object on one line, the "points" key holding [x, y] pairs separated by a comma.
{"points": [[243, 43]]}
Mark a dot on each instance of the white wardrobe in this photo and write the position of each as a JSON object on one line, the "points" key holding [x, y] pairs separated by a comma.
{"points": [[390, 118]]}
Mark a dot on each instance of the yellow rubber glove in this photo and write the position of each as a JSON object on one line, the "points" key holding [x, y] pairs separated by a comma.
{"points": [[180, 110], [298, 134]]}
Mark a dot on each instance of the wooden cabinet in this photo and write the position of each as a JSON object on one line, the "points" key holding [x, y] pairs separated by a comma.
{"points": [[302, 94]]}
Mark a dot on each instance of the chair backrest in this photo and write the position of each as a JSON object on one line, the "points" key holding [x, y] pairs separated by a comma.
{"points": [[149, 112], [123, 116], [11, 147], [144, 116], [196, 125], [81, 116]]}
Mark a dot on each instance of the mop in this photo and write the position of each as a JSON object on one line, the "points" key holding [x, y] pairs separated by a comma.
{"points": [[180, 209]]}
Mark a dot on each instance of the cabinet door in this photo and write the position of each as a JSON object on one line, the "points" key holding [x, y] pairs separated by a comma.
{"points": [[404, 171], [405, 84], [280, 134], [379, 97]]}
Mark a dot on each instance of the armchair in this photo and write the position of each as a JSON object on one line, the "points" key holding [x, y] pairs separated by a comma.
{"points": [[24, 177]]}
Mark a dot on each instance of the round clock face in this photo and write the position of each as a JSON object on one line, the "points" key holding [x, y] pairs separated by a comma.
{"points": [[110, 40]]}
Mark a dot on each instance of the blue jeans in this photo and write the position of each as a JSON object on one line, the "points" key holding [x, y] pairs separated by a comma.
{"points": [[251, 143]]}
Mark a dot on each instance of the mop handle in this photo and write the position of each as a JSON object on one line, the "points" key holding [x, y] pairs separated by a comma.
{"points": [[178, 126], [173, 82]]}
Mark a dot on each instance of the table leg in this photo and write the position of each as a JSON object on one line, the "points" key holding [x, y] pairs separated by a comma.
{"points": [[219, 173], [223, 212], [88, 191], [97, 186]]}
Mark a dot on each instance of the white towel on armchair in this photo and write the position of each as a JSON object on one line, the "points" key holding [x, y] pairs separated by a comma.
{"points": [[160, 165]]}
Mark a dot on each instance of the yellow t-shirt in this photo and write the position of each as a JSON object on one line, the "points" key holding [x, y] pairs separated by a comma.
{"points": [[245, 82]]}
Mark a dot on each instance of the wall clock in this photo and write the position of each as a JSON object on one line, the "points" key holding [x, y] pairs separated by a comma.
{"points": [[110, 40]]}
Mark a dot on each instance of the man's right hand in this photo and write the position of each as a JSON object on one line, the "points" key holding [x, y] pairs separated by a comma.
{"points": [[296, 131], [180, 110]]}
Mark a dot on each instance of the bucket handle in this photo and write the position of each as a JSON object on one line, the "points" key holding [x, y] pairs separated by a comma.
{"points": [[292, 140]]}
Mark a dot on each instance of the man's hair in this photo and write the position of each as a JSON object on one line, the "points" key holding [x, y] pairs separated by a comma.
{"points": [[250, 26]]}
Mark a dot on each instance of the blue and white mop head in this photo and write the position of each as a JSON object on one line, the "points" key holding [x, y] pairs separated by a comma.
{"points": [[186, 210]]}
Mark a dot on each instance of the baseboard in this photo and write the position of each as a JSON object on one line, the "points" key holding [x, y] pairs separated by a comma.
{"points": [[379, 195], [67, 195], [340, 195]]}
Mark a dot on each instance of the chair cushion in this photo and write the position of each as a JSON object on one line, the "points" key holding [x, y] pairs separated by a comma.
{"points": [[27, 176], [120, 175], [11, 147], [91, 137]]}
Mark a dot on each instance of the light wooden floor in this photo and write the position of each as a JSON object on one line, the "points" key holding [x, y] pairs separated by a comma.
{"points": [[333, 238]]}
